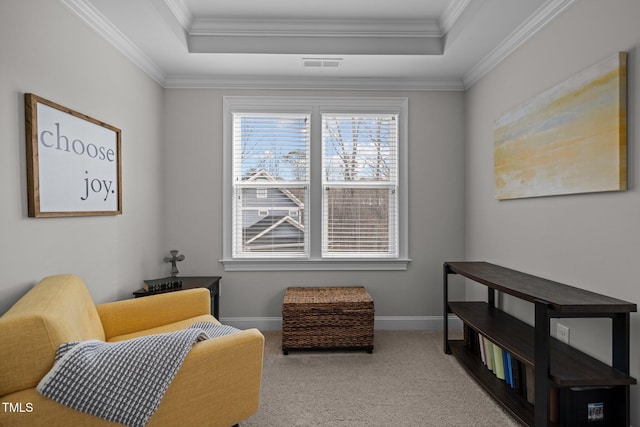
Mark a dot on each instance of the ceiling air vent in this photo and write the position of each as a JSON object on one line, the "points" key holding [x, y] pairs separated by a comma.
{"points": [[321, 62]]}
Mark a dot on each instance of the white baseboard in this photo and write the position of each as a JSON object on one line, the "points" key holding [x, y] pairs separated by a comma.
{"points": [[414, 323], [262, 323], [382, 323]]}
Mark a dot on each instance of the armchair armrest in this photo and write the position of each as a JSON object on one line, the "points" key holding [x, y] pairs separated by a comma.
{"points": [[132, 315], [221, 378]]}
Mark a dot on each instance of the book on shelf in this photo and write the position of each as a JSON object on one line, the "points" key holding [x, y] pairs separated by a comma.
{"points": [[517, 375], [498, 360], [508, 369], [163, 284], [470, 339], [531, 380], [476, 344], [488, 349], [483, 355]]}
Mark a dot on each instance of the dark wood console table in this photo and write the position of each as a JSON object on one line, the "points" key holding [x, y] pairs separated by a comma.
{"points": [[557, 364], [210, 282]]}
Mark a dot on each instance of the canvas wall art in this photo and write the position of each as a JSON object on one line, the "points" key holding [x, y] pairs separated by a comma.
{"points": [[569, 139]]}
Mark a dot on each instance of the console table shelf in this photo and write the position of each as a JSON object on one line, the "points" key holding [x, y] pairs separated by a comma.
{"points": [[556, 363], [514, 403], [569, 367]]}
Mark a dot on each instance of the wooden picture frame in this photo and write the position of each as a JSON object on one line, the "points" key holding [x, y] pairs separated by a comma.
{"points": [[74, 162]]}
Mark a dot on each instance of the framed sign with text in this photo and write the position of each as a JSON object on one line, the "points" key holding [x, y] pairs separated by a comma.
{"points": [[73, 162]]}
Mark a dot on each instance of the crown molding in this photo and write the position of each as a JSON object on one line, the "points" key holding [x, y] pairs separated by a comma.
{"points": [[180, 11], [439, 27], [545, 14], [451, 14], [312, 83], [85, 11]]}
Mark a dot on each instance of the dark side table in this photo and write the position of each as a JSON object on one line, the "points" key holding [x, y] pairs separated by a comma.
{"points": [[210, 282]]}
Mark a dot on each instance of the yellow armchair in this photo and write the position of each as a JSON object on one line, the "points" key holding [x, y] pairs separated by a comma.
{"points": [[218, 384]]}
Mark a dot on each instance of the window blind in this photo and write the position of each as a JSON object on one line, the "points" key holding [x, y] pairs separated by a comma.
{"points": [[360, 185], [270, 184]]}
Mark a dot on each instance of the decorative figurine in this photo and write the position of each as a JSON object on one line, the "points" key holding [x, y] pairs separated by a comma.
{"points": [[173, 259]]}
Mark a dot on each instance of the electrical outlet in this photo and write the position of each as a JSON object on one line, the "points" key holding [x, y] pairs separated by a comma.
{"points": [[562, 333]]}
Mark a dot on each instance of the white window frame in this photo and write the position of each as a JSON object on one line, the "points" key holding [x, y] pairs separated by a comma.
{"points": [[317, 105]]}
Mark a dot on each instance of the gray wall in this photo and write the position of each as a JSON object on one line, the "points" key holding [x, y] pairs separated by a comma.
{"points": [[172, 179], [172, 175], [46, 50], [592, 240], [436, 198]]}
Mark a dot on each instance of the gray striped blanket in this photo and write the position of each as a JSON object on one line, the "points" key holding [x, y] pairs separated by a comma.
{"points": [[125, 381]]}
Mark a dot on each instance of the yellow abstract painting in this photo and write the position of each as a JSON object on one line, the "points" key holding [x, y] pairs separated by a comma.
{"points": [[569, 139]]}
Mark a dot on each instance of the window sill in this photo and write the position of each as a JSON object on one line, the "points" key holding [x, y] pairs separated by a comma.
{"points": [[376, 264]]}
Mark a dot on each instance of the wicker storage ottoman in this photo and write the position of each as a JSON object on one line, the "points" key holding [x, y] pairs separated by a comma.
{"points": [[327, 318]]}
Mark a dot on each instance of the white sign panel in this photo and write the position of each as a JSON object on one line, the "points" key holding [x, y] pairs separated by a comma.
{"points": [[73, 162]]}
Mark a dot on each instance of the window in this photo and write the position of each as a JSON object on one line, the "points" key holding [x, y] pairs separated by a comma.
{"points": [[359, 199], [270, 181], [315, 183]]}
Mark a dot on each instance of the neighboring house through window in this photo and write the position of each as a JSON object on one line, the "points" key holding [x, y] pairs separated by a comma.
{"points": [[315, 183]]}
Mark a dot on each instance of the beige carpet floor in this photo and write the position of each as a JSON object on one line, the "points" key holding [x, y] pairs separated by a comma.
{"points": [[407, 381]]}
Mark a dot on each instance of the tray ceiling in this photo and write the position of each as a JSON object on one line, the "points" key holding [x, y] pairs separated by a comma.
{"points": [[334, 44]]}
